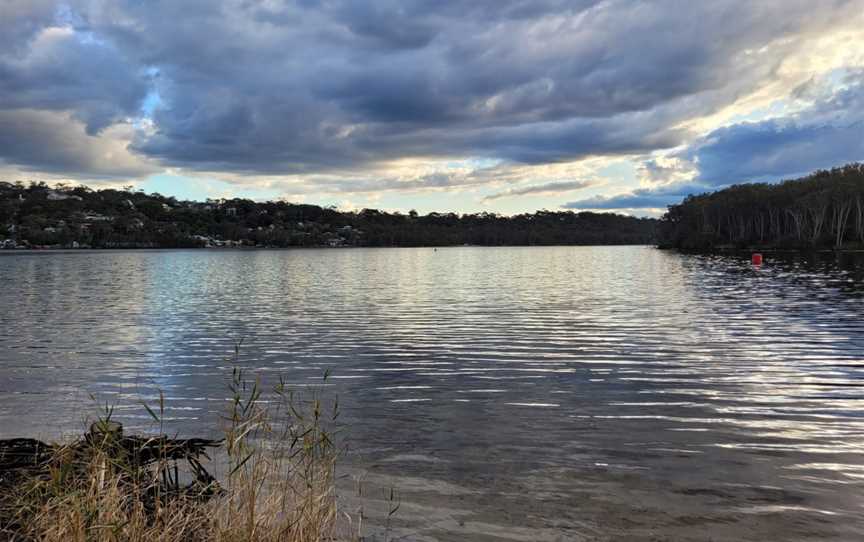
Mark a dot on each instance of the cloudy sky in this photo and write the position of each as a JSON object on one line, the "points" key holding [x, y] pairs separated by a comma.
{"points": [[495, 105]]}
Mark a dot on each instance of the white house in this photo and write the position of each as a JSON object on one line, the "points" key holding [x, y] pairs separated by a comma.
{"points": [[54, 195]]}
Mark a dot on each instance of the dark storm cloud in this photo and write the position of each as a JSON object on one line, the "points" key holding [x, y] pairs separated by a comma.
{"points": [[642, 198], [827, 134], [63, 71], [274, 87], [773, 149], [20, 20], [65, 148]]}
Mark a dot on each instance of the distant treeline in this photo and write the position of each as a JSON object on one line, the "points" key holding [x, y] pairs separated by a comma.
{"points": [[823, 210], [36, 215]]}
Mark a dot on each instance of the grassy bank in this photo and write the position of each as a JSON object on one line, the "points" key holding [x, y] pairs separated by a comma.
{"points": [[278, 483]]}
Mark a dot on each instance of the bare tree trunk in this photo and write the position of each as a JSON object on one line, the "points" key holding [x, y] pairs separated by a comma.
{"points": [[841, 217], [859, 204], [817, 215], [759, 226], [742, 227], [773, 223], [797, 221]]}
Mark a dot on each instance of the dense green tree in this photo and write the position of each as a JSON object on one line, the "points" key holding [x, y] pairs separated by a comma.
{"points": [[36, 214], [823, 210]]}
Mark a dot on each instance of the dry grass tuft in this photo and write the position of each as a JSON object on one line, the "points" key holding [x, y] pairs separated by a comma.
{"points": [[279, 483]]}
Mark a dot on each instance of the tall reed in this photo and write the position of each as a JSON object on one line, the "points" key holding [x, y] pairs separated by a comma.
{"points": [[279, 481]]}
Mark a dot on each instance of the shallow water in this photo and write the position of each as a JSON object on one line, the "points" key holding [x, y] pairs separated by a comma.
{"points": [[507, 393]]}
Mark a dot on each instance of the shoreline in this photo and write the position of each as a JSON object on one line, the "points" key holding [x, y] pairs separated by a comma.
{"points": [[56, 250], [252, 248], [764, 250]]}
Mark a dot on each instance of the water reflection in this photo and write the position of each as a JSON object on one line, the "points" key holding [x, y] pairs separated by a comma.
{"points": [[562, 390]]}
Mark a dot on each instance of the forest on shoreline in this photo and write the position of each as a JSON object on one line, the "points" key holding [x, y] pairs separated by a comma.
{"points": [[36, 215], [824, 210]]}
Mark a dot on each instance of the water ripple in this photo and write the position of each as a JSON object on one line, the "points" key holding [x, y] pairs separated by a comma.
{"points": [[521, 370]]}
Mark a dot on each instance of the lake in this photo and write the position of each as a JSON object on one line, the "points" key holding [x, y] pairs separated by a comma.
{"points": [[556, 393]]}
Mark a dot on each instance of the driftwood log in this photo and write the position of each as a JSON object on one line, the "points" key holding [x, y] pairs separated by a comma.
{"points": [[152, 462]]}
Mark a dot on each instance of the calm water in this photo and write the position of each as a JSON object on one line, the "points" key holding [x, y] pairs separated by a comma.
{"points": [[508, 393]]}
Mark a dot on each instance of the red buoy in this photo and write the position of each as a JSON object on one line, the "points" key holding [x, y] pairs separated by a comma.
{"points": [[757, 259]]}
